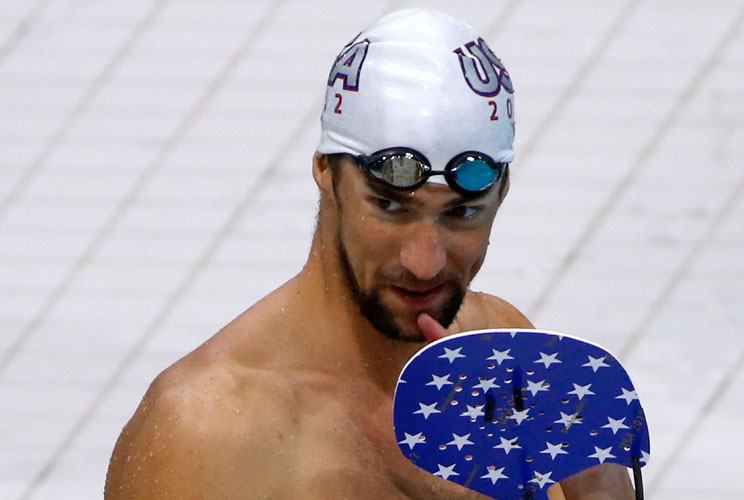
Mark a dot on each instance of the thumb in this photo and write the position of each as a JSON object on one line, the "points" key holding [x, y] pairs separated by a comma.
{"points": [[430, 327]]}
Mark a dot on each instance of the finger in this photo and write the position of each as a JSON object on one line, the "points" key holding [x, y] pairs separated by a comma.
{"points": [[430, 327]]}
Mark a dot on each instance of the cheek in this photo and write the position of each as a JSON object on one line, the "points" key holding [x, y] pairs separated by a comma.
{"points": [[369, 247], [467, 254]]}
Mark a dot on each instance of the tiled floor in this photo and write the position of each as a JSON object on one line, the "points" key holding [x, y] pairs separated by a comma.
{"points": [[155, 181]]}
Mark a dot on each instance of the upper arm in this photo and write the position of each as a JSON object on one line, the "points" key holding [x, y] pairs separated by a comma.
{"points": [[197, 441]]}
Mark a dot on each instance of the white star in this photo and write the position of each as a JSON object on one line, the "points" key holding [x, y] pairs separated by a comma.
{"points": [[507, 444], [460, 441], [427, 410], [535, 387], [473, 412], [542, 478], [627, 395], [500, 356], [596, 363], [486, 385], [582, 390], [513, 334], [440, 381], [412, 440], [495, 474], [615, 425], [568, 420], [452, 354], [519, 416], [602, 454], [645, 456], [446, 472], [554, 450], [548, 359]]}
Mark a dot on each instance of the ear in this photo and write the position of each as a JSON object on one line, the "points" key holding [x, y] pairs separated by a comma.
{"points": [[322, 174]]}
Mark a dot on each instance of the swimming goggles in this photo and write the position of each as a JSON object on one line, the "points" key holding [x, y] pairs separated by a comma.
{"points": [[404, 168]]}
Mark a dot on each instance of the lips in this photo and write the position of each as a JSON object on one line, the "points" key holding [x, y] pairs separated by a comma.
{"points": [[418, 297]]}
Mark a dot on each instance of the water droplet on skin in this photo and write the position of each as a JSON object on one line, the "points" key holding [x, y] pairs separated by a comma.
{"points": [[237, 411], [283, 310], [216, 397]]}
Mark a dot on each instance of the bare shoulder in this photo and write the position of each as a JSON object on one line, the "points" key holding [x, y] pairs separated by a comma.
{"points": [[482, 310], [207, 428]]}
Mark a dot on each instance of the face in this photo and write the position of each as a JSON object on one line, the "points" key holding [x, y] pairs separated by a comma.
{"points": [[403, 253]]}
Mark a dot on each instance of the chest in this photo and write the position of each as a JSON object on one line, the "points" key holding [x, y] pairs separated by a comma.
{"points": [[348, 449]]}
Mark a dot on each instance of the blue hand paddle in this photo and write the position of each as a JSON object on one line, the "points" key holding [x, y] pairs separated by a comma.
{"points": [[509, 412]]}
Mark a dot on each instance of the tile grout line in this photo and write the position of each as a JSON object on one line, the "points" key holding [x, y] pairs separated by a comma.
{"points": [[78, 109], [22, 29], [570, 90], [701, 416], [682, 270], [185, 124], [63, 284], [624, 184]]}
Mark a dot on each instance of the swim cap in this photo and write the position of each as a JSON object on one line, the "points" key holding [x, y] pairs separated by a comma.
{"points": [[420, 79]]}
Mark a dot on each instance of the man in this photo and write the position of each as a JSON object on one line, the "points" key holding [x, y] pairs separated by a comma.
{"points": [[293, 399]]}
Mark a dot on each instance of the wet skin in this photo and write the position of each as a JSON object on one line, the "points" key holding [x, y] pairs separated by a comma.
{"points": [[293, 399]]}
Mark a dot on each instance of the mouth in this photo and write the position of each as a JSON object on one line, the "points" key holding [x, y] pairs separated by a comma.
{"points": [[418, 297]]}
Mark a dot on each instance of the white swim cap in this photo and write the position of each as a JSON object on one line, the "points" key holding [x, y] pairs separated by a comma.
{"points": [[420, 79]]}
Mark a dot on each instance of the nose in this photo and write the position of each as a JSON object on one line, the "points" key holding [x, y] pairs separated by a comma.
{"points": [[423, 253]]}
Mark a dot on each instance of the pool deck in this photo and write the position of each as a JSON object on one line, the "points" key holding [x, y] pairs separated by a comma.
{"points": [[155, 181]]}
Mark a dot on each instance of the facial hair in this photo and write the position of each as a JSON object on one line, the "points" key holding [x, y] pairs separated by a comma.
{"points": [[380, 316]]}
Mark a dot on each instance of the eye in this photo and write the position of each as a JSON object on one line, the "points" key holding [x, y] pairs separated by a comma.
{"points": [[387, 205], [463, 212]]}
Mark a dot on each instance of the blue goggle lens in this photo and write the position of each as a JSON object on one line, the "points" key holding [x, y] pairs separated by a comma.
{"points": [[475, 175]]}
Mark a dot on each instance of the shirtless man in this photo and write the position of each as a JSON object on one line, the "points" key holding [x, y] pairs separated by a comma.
{"points": [[293, 399]]}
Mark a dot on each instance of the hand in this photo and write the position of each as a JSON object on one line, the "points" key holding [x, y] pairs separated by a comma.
{"points": [[430, 327], [601, 482]]}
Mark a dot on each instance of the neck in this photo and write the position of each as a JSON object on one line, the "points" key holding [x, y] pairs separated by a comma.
{"points": [[345, 340]]}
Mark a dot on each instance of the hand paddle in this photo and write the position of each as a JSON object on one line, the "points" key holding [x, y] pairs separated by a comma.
{"points": [[507, 413]]}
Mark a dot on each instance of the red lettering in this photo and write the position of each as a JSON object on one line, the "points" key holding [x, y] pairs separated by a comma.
{"points": [[494, 112], [337, 109]]}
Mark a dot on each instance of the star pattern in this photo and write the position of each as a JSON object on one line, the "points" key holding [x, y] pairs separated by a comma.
{"points": [[500, 356], [627, 395], [542, 478], [596, 363], [446, 472], [440, 382], [427, 410], [520, 416], [473, 412], [413, 439], [548, 359], [460, 441], [568, 420], [602, 454], [554, 450], [486, 384], [615, 425], [495, 474], [507, 444], [535, 387], [504, 411], [452, 354], [581, 390]]}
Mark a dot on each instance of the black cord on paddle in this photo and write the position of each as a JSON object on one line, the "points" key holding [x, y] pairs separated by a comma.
{"points": [[637, 479]]}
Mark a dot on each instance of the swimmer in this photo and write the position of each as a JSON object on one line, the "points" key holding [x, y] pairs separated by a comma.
{"points": [[293, 399]]}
